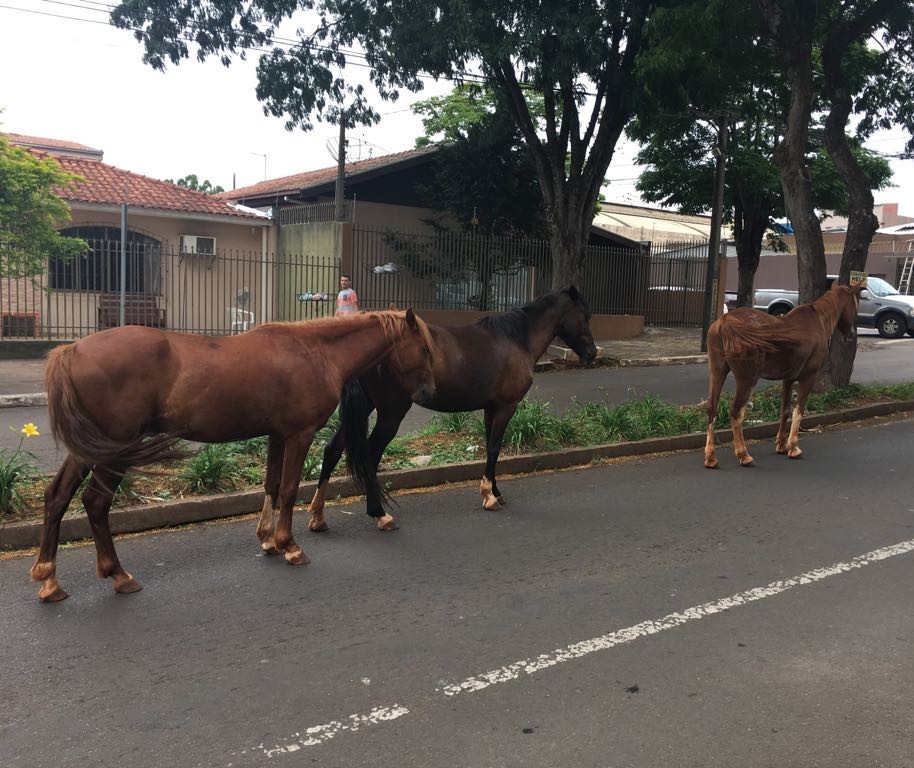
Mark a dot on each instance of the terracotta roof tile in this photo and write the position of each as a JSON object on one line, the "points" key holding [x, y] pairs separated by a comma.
{"points": [[106, 185], [38, 141], [298, 181]]}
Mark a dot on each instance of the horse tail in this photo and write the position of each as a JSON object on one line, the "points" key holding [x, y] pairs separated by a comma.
{"points": [[82, 437], [355, 408], [739, 340]]}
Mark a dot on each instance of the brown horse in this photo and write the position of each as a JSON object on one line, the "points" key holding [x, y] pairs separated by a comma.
{"points": [[124, 397], [791, 348], [488, 365]]}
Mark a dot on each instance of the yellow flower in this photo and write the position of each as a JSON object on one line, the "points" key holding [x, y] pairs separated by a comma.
{"points": [[30, 430]]}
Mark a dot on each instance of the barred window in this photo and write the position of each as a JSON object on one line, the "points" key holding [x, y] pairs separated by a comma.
{"points": [[99, 269]]}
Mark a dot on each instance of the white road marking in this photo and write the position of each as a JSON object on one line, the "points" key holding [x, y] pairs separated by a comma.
{"points": [[320, 734]]}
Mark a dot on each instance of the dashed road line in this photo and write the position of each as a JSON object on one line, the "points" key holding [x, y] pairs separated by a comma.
{"points": [[321, 734]]}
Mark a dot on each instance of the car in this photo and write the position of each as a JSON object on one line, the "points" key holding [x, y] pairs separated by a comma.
{"points": [[881, 306]]}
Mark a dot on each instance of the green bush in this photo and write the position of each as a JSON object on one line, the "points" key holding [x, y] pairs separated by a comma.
{"points": [[16, 468], [215, 468]]}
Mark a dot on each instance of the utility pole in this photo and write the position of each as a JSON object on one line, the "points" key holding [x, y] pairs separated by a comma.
{"points": [[712, 278], [340, 168]]}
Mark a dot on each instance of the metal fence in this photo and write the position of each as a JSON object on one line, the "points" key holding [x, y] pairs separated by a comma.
{"points": [[231, 291], [664, 281], [211, 293]]}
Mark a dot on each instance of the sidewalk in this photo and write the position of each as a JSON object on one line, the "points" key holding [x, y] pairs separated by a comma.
{"points": [[22, 381]]}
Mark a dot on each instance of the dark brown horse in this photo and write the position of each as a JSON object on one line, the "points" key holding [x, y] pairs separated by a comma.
{"points": [[487, 365], [123, 397], [791, 348]]}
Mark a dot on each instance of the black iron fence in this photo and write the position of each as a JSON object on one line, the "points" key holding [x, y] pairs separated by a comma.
{"points": [[211, 293], [231, 291], [664, 281]]}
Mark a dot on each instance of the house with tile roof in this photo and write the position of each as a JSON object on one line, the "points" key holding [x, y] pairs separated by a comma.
{"points": [[178, 241]]}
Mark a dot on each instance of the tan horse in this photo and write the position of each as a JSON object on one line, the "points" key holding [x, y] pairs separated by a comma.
{"points": [[124, 397], [791, 348]]}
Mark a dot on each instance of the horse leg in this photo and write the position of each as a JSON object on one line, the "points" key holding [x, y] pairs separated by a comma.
{"points": [[780, 443], [265, 526], [293, 460], [384, 431], [737, 412], [56, 499], [333, 451], [496, 422], [97, 500], [716, 375], [804, 387]]}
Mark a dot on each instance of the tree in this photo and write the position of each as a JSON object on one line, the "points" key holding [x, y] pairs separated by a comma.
{"points": [[31, 207], [192, 182], [704, 66], [873, 82], [482, 175], [580, 57]]}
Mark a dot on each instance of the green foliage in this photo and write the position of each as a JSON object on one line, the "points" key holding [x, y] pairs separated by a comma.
{"points": [[452, 422], [564, 53], [31, 208], [213, 469], [16, 468], [192, 182]]}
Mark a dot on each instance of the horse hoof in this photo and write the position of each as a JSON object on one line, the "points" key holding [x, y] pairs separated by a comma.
{"points": [[52, 593], [711, 463], [127, 586], [501, 501], [297, 558], [491, 504], [387, 523], [748, 461], [269, 548], [795, 454], [781, 449], [316, 527]]}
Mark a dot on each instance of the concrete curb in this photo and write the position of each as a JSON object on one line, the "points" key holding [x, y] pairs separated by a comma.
{"points": [[202, 508], [23, 401]]}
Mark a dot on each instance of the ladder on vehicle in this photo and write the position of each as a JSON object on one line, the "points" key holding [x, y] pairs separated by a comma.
{"points": [[904, 283]]}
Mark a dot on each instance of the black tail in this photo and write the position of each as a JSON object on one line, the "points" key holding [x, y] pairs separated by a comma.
{"points": [[355, 408]]}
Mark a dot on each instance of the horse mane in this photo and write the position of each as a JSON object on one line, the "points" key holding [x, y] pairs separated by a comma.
{"points": [[514, 325], [388, 318]]}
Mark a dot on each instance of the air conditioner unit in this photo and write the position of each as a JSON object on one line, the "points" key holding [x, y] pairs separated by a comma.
{"points": [[197, 244]]}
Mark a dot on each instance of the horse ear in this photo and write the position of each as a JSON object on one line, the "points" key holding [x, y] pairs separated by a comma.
{"points": [[393, 307], [411, 318], [573, 292]]}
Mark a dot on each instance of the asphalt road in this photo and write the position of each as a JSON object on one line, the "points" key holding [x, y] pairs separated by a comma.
{"points": [[649, 613], [890, 362]]}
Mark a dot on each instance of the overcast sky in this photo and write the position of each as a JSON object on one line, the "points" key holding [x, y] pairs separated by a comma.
{"points": [[67, 74]]}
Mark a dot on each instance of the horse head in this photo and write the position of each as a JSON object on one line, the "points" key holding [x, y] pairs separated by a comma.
{"points": [[411, 357], [848, 300], [574, 325]]}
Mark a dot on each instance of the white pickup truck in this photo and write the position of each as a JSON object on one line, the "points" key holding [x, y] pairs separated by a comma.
{"points": [[881, 306]]}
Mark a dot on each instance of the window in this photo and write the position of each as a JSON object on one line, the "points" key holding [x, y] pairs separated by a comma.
{"points": [[100, 268]]}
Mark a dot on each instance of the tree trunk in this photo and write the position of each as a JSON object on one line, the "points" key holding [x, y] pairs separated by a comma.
{"points": [[792, 27], [748, 228], [862, 222], [567, 240]]}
